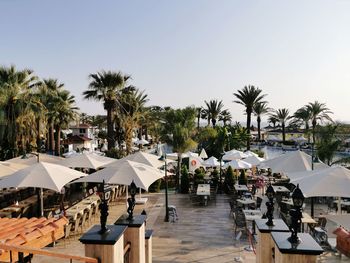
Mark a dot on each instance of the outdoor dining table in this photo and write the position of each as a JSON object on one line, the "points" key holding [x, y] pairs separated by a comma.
{"points": [[252, 215], [246, 201], [307, 219], [241, 187], [280, 189], [204, 190]]}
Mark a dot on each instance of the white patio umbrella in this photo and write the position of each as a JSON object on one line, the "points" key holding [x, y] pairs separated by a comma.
{"points": [[124, 173], [142, 142], [233, 155], [291, 162], [14, 166], [250, 153], [211, 162], [140, 157], [238, 164], [41, 175], [203, 154], [6, 170], [273, 138], [87, 160], [32, 158], [254, 160], [332, 181]]}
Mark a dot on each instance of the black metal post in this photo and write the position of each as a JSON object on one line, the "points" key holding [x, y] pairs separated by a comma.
{"points": [[166, 193], [312, 168], [103, 210]]}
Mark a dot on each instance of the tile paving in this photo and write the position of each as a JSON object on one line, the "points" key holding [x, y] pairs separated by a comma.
{"points": [[203, 234]]}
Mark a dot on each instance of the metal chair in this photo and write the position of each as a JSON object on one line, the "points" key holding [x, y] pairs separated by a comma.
{"points": [[173, 213]]}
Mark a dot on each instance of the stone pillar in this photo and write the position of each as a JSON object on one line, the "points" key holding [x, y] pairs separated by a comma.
{"points": [[265, 243], [135, 234], [284, 252], [107, 247], [148, 239]]}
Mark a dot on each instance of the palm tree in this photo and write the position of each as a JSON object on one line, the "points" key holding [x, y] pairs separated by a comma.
{"points": [[282, 115], [199, 115], [106, 86], [65, 113], [318, 112], [130, 111], [260, 109], [49, 91], [205, 114], [14, 89], [225, 116], [248, 97], [303, 115], [214, 108], [177, 131], [272, 120]]}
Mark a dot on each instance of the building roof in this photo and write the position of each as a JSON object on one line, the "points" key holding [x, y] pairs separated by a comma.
{"points": [[33, 232], [81, 126]]}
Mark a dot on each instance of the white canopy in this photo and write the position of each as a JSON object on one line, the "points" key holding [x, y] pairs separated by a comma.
{"points": [[6, 170], [238, 164], [300, 139], [250, 153], [332, 181], [273, 138], [211, 162], [124, 173], [291, 162], [31, 158], [139, 157], [87, 160], [42, 175], [234, 155], [203, 154], [142, 142], [254, 160]]}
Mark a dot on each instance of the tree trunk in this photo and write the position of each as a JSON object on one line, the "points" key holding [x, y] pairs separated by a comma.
{"points": [[208, 121], [38, 138], [259, 121], [249, 113], [213, 121], [110, 129], [58, 141], [283, 133], [51, 138]]}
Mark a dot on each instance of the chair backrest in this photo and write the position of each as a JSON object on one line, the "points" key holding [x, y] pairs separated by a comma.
{"points": [[258, 202], [67, 229]]}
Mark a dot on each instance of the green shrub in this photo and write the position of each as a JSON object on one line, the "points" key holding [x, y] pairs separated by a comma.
{"points": [[242, 178]]}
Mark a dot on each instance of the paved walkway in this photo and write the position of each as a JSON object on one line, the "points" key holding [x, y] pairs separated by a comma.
{"points": [[203, 234]]}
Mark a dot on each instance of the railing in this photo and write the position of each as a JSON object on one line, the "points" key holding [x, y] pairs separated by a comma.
{"points": [[127, 249], [17, 254]]}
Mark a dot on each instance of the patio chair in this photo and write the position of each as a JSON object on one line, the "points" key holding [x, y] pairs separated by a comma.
{"points": [[240, 222], [172, 213], [67, 229], [75, 226]]}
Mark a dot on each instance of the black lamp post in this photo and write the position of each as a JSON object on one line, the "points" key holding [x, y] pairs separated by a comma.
{"points": [[296, 215], [131, 200], [220, 173], [270, 193], [314, 159], [163, 158]]}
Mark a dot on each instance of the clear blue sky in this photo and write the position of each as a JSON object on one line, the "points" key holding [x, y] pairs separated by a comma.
{"points": [[184, 52]]}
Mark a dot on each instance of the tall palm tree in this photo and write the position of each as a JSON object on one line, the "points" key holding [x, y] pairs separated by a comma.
{"points": [[248, 97], [106, 86], [130, 111], [199, 115], [272, 120], [49, 92], [214, 108], [318, 112], [178, 128], [303, 115], [260, 109], [14, 89], [225, 116], [205, 114], [282, 115], [65, 112]]}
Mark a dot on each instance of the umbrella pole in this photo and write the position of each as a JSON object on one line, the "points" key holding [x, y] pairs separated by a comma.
{"points": [[41, 202], [127, 196], [140, 193], [339, 205]]}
